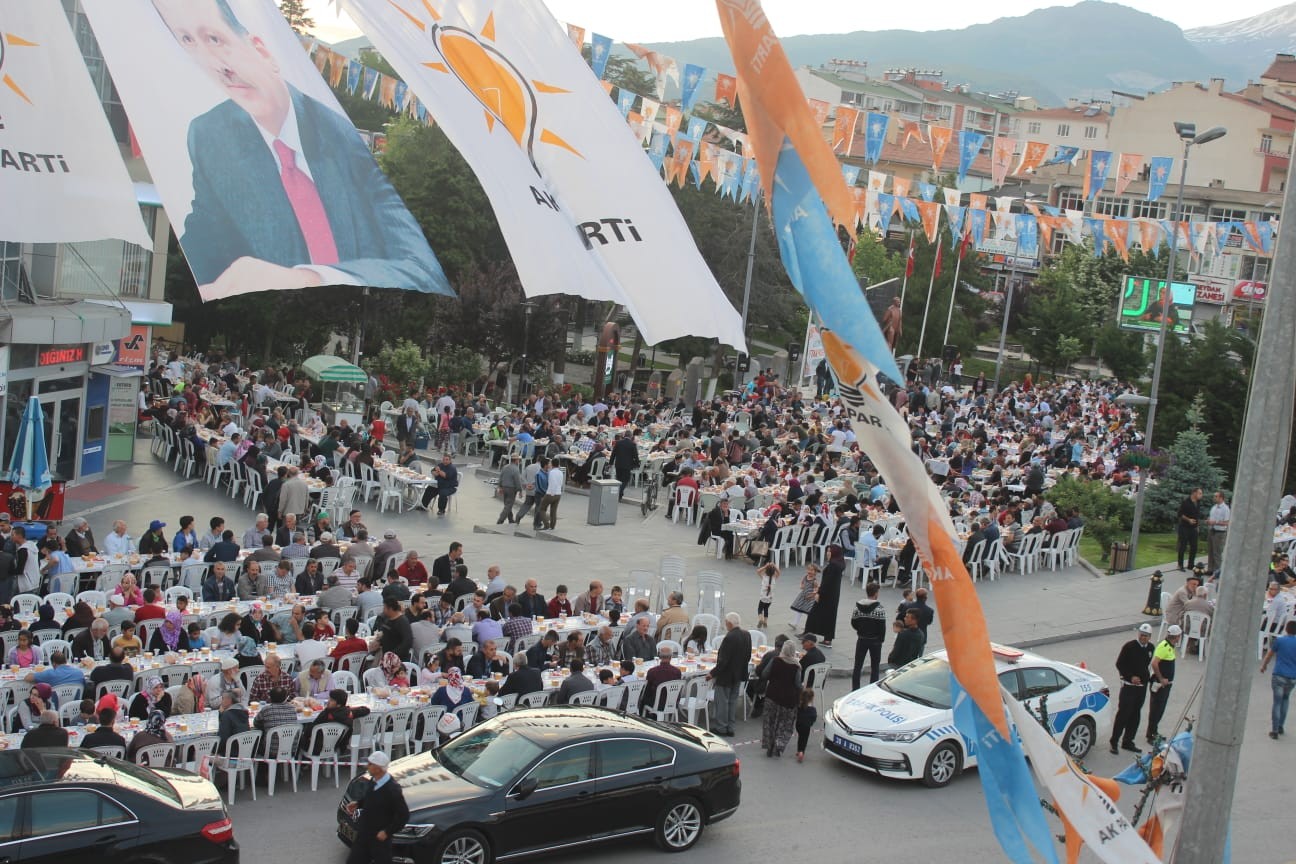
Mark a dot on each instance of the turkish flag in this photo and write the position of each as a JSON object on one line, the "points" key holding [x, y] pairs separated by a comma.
{"points": [[909, 259]]}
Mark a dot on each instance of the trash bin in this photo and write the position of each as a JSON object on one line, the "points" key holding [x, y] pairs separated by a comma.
{"points": [[1119, 557], [603, 502]]}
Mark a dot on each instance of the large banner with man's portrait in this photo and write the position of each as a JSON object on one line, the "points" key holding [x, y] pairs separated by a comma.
{"points": [[268, 184], [61, 175]]}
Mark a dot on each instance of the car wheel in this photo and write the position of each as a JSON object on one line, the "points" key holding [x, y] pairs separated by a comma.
{"points": [[679, 825], [943, 765], [463, 847], [1079, 738]]}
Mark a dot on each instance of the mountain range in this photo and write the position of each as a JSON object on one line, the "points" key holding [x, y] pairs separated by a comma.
{"points": [[1249, 43], [1085, 50]]}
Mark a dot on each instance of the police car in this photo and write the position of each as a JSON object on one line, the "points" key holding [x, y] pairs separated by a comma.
{"points": [[903, 726]]}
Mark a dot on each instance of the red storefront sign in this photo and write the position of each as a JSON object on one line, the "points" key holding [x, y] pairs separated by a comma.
{"points": [[1248, 290]]}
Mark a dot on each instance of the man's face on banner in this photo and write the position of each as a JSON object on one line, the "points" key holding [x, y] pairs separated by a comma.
{"points": [[235, 59]]}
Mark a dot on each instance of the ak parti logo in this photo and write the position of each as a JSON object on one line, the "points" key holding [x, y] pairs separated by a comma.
{"points": [[8, 41], [507, 96]]}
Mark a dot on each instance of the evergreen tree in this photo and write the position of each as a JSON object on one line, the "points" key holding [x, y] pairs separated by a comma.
{"points": [[1192, 467], [294, 12]]}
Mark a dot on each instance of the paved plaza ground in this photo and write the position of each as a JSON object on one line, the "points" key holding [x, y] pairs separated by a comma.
{"points": [[820, 811]]}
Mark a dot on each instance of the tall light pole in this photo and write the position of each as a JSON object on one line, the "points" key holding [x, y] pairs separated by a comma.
{"points": [[1231, 666], [1188, 134], [528, 305]]}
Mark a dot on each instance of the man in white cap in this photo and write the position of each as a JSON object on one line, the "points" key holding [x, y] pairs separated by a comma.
{"points": [[379, 814], [1163, 672], [1132, 666]]}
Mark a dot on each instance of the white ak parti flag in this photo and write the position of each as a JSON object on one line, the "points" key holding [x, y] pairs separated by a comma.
{"points": [[62, 179], [580, 206]]}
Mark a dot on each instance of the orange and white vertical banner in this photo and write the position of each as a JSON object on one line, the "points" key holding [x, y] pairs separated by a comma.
{"points": [[940, 140], [844, 129]]}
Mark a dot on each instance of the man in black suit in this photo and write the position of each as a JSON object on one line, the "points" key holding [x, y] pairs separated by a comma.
{"points": [[531, 600], [105, 735], [47, 734], [443, 571], [286, 195], [523, 679], [382, 812], [93, 642]]}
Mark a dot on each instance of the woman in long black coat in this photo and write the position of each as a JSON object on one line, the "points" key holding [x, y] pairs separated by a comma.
{"points": [[822, 620]]}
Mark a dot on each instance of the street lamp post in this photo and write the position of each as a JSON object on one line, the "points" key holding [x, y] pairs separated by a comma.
{"points": [[526, 341], [1188, 134]]}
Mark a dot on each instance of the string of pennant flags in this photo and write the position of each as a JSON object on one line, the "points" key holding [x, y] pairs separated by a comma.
{"points": [[685, 148]]}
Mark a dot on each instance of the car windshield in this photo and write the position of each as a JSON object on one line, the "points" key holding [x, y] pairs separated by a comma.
{"points": [[926, 682], [489, 756]]}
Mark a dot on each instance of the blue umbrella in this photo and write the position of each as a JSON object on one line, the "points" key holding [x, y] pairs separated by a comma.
{"points": [[29, 465]]}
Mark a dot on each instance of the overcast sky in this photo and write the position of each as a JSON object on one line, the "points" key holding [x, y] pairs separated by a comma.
{"points": [[671, 20]]}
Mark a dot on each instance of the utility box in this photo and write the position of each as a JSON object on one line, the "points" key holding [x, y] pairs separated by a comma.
{"points": [[603, 502]]}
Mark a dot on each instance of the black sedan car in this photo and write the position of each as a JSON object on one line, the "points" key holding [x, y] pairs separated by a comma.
{"points": [[62, 806], [533, 781]]}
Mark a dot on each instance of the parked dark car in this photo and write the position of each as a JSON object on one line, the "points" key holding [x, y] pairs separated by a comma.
{"points": [[532, 781], [62, 806]]}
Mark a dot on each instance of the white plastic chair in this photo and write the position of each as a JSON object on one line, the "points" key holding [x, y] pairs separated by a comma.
{"points": [[675, 632], [397, 729], [711, 593], [425, 726], [585, 697], [1269, 629], [25, 604], [1197, 625], [322, 749], [49, 646], [175, 591], [364, 732], [676, 648], [60, 600], [665, 705], [695, 701], [816, 676], [94, 599], [467, 714], [1054, 552], [538, 699], [709, 621], [281, 752], [239, 762], [685, 498]]}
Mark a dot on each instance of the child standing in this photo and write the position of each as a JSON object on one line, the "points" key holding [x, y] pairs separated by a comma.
{"points": [[805, 721], [769, 574]]}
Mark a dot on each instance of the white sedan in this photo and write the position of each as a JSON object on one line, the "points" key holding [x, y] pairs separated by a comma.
{"points": [[903, 726]]}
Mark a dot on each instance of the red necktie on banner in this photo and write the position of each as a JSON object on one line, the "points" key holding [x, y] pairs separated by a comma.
{"points": [[307, 206]]}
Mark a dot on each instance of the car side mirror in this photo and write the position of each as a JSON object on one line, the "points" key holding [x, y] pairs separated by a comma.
{"points": [[524, 789]]}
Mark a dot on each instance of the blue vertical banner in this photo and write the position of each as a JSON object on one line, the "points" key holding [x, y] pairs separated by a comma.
{"points": [[693, 76], [600, 51], [1027, 236], [696, 126], [1098, 230], [1099, 166], [402, 93], [875, 130], [1015, 813], [750, 181], [1159, 169], [927, 191], [886, 207], [970, 144], [370, 82], [955, 214], [909, 210], [625, 101], [816, 264], [657, 149], [851, 173], [977, 225], [354, 73]]}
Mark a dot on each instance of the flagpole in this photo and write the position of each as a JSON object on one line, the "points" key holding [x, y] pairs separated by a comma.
{"points": [[905, 282], [958, 262], [922, 335]]}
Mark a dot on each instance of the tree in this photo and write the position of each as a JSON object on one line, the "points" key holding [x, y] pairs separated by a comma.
{"points": [[1107, 514], [401, 362], [457, 365], [294, 12], [1122, 352], [1054, 315], [1192, 467]]}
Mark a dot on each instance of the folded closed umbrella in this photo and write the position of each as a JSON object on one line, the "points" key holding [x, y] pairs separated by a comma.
{"points": [[29, 464]]}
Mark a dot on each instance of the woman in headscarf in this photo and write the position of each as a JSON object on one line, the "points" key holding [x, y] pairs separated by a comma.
{"points": [[454, 693], [154, 697], [46, 621], [822, 619], [192, 698], [394, 671], [25, 655], [154, 732], [171, 636], [782, 695], [82, 617], [39, 699]]}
